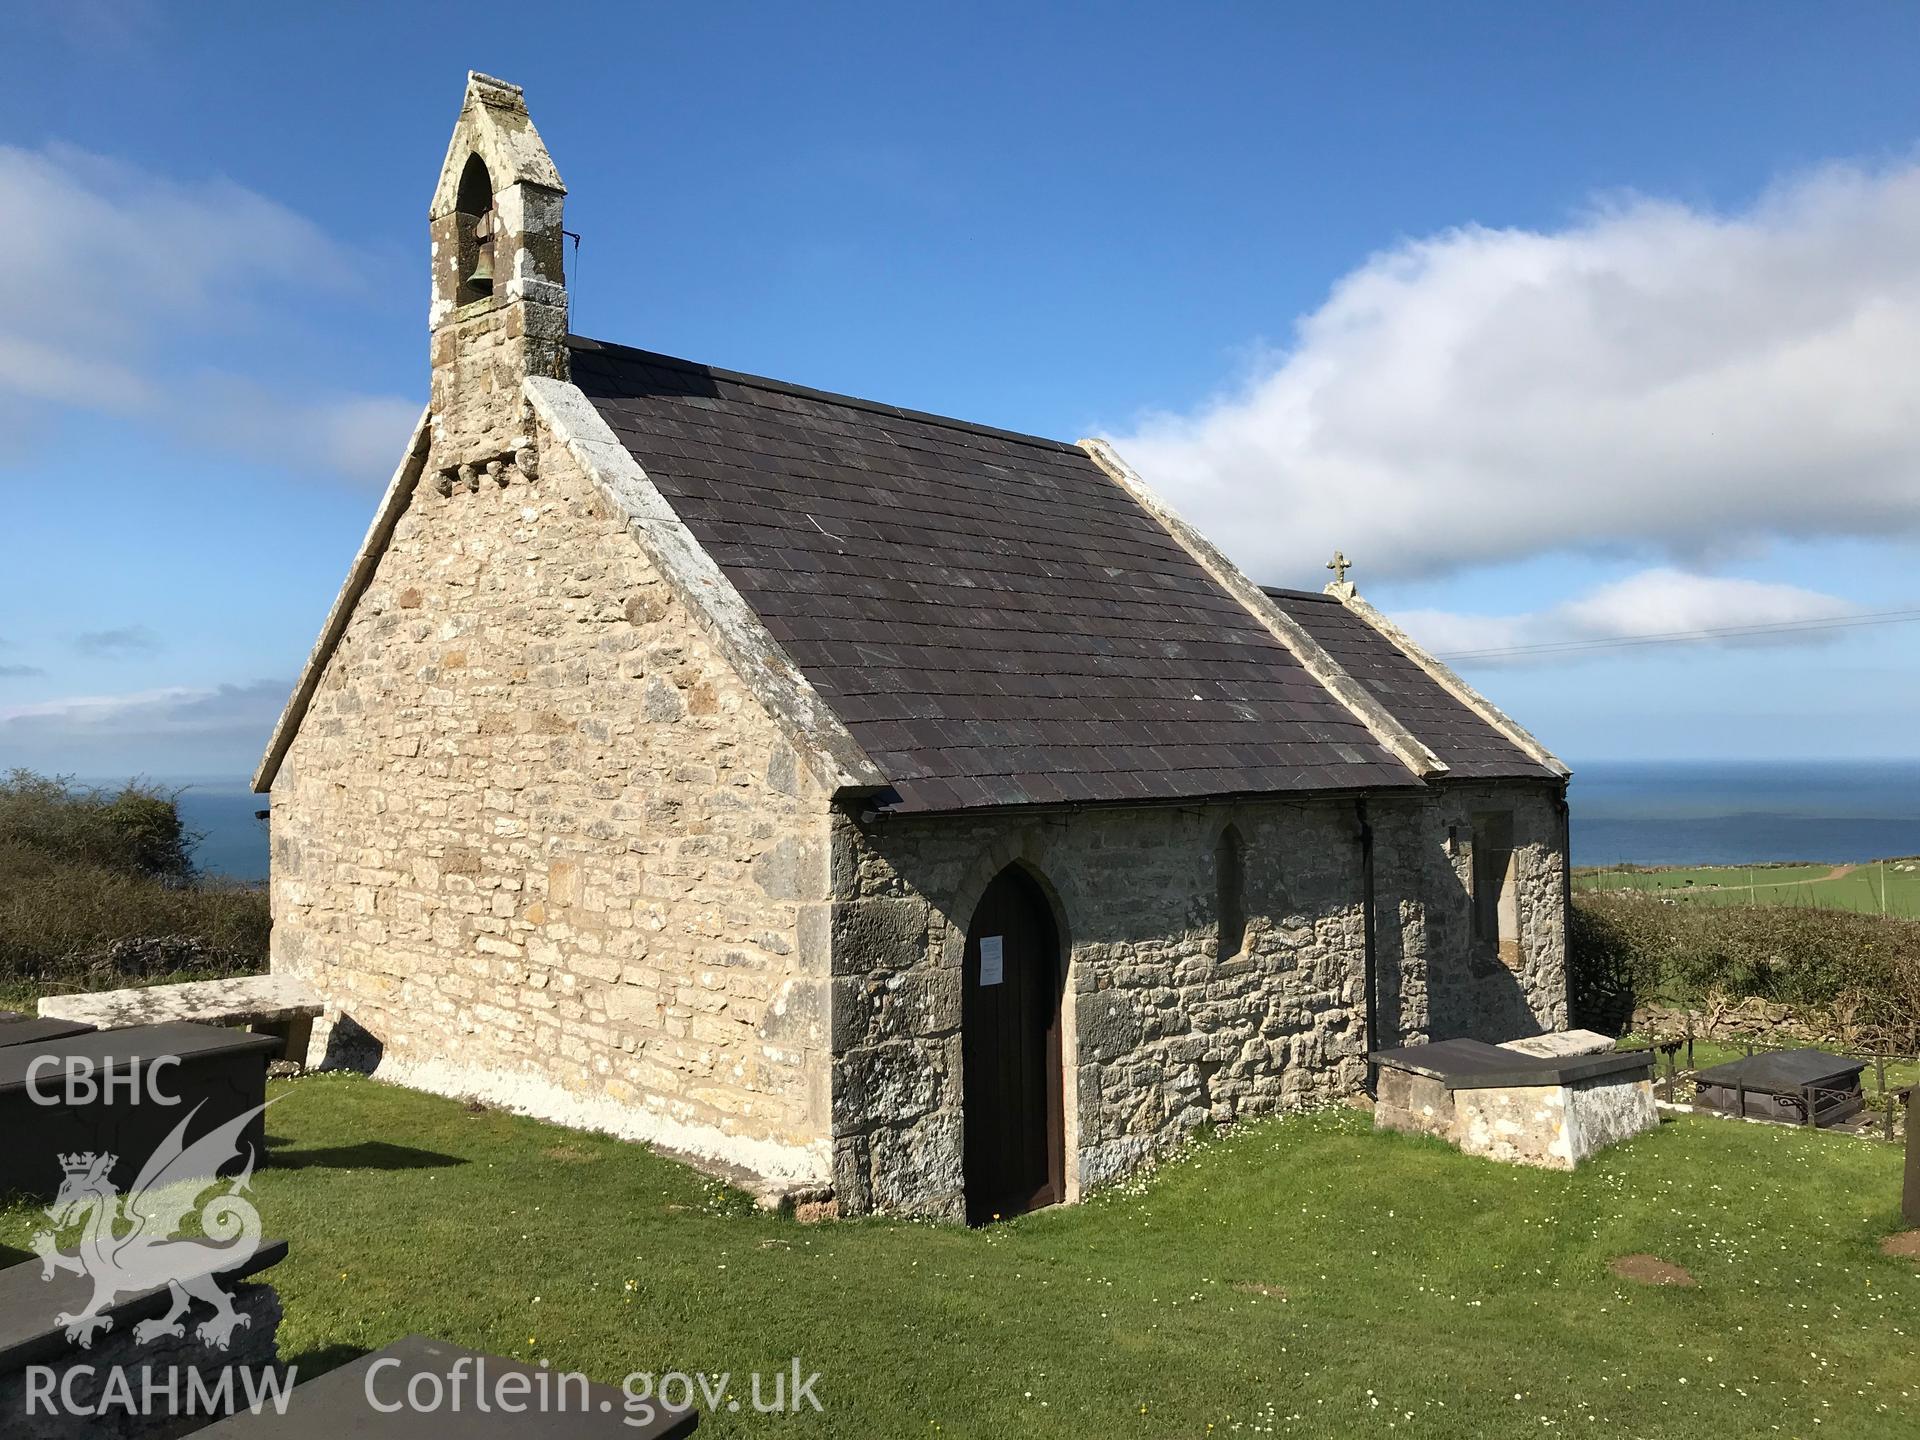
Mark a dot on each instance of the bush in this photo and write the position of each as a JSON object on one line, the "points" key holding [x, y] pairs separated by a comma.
{"points": [[1610, 969], [82, 871], [133, 831], [1626, 948]]}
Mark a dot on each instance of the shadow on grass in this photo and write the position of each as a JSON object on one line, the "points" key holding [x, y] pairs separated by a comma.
{"points": [[367, 1155], [10, 1257]]}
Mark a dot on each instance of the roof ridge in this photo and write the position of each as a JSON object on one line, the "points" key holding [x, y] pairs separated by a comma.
{"points": [[807, 392], [1446, 686]]}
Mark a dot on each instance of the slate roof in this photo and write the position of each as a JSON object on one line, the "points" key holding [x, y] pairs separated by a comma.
{"points": [[1471, 748], [995, 620]]}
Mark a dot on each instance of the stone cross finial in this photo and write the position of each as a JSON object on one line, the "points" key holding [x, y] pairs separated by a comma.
{"points": [[1338, 565]]}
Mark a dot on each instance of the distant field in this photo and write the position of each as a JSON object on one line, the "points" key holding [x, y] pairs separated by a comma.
{"points": [[1826, 887]]}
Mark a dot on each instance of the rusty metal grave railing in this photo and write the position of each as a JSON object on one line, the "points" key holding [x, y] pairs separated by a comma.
{"points": [[1878, 1113]]}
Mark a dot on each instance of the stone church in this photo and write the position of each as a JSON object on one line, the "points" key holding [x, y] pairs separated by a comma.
{"points": [[899, 813]]}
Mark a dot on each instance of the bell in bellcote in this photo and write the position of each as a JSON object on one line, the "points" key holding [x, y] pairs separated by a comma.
{"points": [[481, 280]]}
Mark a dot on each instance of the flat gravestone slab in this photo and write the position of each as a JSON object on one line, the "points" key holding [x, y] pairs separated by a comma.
{"points": [[337, 1405], [28, 1304], [1476, 1065], [246, 1000], [1560, 1043], [112, 1108], [117, 1050], [23, 1031], [1784, 1071]]}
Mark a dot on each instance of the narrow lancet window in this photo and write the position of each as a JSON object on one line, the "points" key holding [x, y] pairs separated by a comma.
{"points": [[1230, 904], [1496, 914]]}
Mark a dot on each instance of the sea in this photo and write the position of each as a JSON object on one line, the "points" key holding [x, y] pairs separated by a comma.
{"points": [[1656, 813], [1667, 812], [1689, 812], [232, 843]]}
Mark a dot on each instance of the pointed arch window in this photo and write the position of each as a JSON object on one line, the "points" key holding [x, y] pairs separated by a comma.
{"points": [[1230, 901]]}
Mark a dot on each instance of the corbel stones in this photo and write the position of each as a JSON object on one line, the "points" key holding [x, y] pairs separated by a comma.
{"points": [[521, 464]]}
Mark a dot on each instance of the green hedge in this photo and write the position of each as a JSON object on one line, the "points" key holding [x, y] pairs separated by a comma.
{"points": [[1626, 948]]}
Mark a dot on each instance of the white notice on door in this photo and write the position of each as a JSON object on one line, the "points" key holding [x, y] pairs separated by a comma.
{"points": [[990, 962]]}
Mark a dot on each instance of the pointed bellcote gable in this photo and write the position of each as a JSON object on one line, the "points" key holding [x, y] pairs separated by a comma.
{"points": [[499, 311]]}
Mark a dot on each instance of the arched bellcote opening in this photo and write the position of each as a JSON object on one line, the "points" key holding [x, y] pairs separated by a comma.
{"points": [[1011, 1052], [477, 226]]}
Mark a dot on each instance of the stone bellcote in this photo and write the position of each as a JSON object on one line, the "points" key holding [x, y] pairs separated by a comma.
{"points": [[499, 309]]}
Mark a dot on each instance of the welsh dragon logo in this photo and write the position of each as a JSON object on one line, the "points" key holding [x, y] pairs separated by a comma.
{"points": [[130, 1243]]}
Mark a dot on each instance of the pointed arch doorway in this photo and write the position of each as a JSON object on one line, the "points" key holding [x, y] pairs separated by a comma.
{"points": [[1011, 1052]]}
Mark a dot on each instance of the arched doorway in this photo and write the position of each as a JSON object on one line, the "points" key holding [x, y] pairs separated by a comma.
{"points": [[1010, 1051]]}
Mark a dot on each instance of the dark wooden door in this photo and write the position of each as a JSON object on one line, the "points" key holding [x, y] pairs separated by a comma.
{"points": [[1010, 1015]]}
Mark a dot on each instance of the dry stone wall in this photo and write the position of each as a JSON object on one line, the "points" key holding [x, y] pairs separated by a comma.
{"points": [[539, 845]]}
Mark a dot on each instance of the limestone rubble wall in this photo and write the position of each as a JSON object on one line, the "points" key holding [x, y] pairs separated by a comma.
{"points": [[538, 844]]}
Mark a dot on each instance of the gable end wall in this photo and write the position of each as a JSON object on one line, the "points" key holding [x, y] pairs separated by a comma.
{"points": [[536, 843]]}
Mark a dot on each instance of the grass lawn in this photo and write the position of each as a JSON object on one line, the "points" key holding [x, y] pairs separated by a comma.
{"points": [[1302, 1276], [1828, 887]]}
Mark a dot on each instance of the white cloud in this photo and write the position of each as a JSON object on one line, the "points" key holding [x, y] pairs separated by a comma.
{"points": [[355, 435], [117, 644], [176, 709], [14, 670], [175, 730], [1660, 602], [118, 273], [1653, 378]]}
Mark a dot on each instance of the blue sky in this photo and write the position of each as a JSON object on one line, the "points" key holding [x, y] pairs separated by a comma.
{"points": [[1567, 325]]}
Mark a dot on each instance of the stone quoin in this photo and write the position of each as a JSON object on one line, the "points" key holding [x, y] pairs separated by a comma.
{"points": [[900, 814]]}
